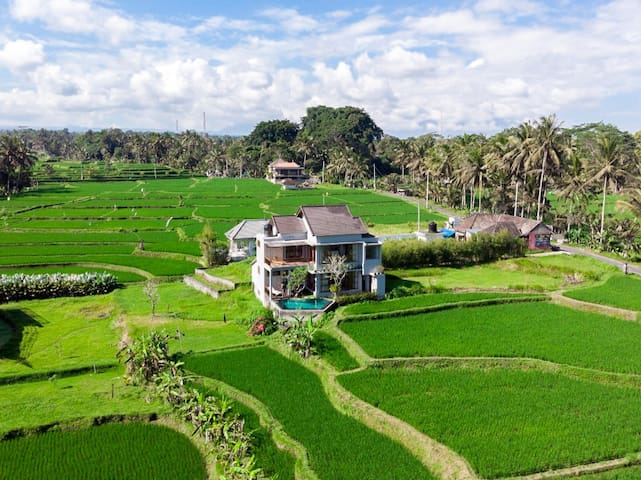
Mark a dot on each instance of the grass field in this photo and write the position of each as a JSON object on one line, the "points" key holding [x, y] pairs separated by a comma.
{"points": [[508, 422], [28, 405], [622, 291], [426, 300], [532, 330], [128, 450], [338, 446], [532, 273], [68, 333]]}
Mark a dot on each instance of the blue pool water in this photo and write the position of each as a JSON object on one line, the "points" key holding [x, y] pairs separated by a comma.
{"points": [[304, 303]]}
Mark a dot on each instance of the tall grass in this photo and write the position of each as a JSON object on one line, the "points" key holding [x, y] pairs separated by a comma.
{"points": [[508, 422], [538, 330], [338, 446]]}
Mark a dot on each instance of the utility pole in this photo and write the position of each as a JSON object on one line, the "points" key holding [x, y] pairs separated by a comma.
{"points": [[374, 168]]}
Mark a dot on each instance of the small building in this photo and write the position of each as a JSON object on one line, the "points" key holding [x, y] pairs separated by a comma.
{"points": [[307, 239], [536, 233], [242, 238], [289, 175]]}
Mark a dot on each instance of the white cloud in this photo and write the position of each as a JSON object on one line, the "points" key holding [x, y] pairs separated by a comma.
{"points": [[471, 66], [290, 20], [21, 54]]}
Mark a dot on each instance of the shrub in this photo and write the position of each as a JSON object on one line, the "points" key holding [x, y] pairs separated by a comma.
{"points": [[355, 298], [50, 285], [406, 291], [480, 248]]}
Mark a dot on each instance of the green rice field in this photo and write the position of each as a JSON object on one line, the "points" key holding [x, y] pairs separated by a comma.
{"points": [[508, 422], [338, 446], [526, 330], [621, 291], [105, 222], [428, 300], [128, 450]]}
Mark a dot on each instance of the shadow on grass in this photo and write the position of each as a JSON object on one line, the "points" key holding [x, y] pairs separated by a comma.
{"points": [[392, 281], [21, 338]]}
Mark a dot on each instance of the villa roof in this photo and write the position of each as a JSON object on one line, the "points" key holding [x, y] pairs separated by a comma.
{"points": [[494, 223], [288, 224], [246, 229], [325, 220], [280, 163]]}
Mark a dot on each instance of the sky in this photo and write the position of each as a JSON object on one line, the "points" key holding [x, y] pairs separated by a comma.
{"points": [[449, 67]]}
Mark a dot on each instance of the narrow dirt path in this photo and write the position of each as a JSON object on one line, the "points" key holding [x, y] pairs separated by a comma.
{"points": [[560, 299]]}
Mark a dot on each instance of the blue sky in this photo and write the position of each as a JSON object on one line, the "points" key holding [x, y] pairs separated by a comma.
{"points": [[415, 67]]}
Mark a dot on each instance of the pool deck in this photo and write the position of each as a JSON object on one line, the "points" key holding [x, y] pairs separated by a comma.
{"points": [[304, 312]]}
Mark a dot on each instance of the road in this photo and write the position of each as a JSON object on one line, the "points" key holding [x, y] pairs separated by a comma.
{"points": [[617, 263]]}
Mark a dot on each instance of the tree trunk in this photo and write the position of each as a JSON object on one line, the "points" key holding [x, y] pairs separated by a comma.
{"points": [[538, 203], [605, 187]]}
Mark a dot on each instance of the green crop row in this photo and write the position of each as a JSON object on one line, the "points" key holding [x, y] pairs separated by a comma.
{"points": [[64, 249], [508, 422], [155, 265], [534, 330], [333, 352], [426, 300], [127, 450], [132, 224], [338, 446], [621, 291]]}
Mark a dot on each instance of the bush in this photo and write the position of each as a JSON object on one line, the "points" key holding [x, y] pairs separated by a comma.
{"points": [[480, 248], [50, 285], [355, 298], [406, 291]]}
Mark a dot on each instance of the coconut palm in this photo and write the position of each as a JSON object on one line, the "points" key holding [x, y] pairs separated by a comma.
{"points": [[547, 151], [607, 167], [16, 163]]}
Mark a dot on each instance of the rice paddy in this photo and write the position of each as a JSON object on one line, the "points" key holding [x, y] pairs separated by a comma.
{"points": [[128, 450]]}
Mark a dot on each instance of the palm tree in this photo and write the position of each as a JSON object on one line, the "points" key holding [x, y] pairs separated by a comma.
{"points": [[16, 163], [607, 167], [547, 151], [574, 191], [469, 152], [518, 157]]}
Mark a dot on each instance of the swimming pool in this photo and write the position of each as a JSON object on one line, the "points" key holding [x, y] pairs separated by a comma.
{"points": [[304, 303]]}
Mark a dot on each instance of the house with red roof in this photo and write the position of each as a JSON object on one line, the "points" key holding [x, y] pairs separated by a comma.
{"points": [[288, 174], [536, 233]]}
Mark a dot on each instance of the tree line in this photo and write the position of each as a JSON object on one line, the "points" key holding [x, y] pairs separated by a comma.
{"points": [[513, 171]]}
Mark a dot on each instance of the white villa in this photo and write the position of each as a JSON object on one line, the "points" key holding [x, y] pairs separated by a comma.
{"points": [[306, 240]]}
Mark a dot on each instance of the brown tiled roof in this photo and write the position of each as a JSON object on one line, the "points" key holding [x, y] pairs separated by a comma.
{"points": [[492, 223], [326, 220], [288, 224], [280, 163]]}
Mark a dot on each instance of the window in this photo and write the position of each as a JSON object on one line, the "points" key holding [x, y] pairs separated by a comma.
{"points": [[294, 251], [373, 252]]}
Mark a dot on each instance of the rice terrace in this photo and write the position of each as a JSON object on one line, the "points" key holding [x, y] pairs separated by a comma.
{"points": [[504, 380]]}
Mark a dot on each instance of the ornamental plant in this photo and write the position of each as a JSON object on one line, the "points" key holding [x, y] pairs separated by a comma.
{"points": [[50, 285]]}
